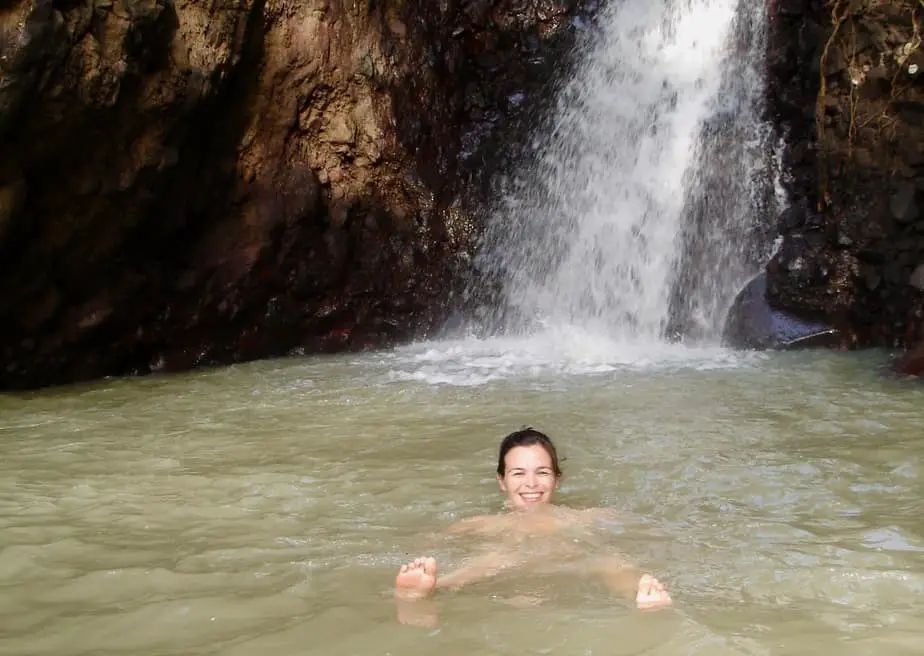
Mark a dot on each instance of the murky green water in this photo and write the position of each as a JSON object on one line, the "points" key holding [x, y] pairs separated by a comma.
{"points": [[264, 508]]}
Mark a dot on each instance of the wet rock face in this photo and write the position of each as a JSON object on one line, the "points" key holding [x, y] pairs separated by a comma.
{"points": [[184, 182], [847, 97]]}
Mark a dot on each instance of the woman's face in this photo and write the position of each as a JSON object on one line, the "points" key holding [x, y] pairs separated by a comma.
{"points": [[529, 477]]}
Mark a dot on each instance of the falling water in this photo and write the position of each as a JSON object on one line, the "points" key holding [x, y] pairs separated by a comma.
{"points": [[591, 232], [732, 192]]}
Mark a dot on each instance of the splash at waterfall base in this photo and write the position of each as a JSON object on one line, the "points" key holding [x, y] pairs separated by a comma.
{"points": [[846, 93]]}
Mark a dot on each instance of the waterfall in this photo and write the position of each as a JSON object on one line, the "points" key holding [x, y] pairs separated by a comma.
{"points": [[635, 214]]}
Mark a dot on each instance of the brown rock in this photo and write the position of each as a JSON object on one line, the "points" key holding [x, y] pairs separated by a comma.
{"points": [[220, 176], [911, 363]]}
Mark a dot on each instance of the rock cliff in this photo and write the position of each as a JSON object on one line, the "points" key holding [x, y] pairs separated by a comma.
{"points": [[186, 182], [847, 97], [189, 182]]}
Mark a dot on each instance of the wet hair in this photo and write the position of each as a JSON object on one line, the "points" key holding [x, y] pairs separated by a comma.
{"points": [[527, 436]]}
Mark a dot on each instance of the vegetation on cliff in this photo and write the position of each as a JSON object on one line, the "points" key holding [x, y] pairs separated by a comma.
{"points": [[847, 92]]}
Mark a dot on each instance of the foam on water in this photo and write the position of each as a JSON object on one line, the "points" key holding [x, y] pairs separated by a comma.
{"points": [[554, 352]]}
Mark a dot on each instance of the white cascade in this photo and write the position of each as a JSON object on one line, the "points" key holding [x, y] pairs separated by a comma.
{"points": [[590, 233]]}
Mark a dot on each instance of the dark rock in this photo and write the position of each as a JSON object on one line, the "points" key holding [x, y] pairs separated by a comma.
{"points": [[791, 219], [753, 324], [846, 101], [911, 363], [916, 279], [903, 204]]}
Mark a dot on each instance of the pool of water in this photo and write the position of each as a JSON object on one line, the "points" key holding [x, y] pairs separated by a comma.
{"points": [[265, 508]]}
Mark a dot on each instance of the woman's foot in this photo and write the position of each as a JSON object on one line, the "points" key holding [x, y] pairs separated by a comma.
{"points": [[417, 579], [651, 594]]}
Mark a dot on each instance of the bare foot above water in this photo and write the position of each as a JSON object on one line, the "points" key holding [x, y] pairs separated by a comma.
{"points": [[652, 594], [417, 579]]}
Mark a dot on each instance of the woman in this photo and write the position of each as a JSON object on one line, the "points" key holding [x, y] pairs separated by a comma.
{"points": [[529, 474]]}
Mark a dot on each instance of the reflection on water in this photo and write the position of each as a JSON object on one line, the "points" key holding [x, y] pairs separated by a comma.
{"points": [[265, 508]]}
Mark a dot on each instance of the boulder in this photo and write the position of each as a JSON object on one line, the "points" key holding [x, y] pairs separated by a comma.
{"points": [[753, 324]]}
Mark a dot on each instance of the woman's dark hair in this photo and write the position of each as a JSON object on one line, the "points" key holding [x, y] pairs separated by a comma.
{"points": [[527, 437]]}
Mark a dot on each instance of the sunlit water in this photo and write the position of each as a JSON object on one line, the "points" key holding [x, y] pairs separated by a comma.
{"points": [[264, 508]]}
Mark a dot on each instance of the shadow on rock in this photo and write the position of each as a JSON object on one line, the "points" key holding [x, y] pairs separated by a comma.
{"points": [[753, 324]]}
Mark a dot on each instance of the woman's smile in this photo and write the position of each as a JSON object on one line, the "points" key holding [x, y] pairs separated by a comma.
{"points": [[529, 476]]}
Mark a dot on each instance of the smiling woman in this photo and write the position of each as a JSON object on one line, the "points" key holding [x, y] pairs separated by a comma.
{"points": [[533, 473], [528, 472]]}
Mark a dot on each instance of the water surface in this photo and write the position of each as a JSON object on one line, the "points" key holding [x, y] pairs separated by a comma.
{"points": [[264, 508]]}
